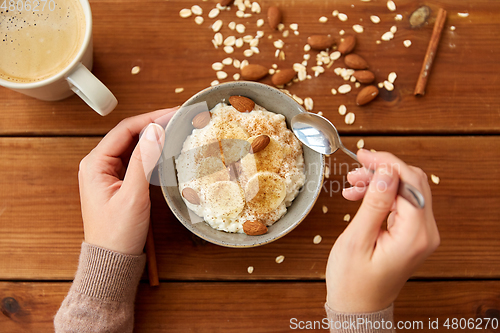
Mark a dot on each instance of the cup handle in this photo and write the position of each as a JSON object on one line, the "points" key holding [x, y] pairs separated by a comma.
{"points": [[91, 90]]}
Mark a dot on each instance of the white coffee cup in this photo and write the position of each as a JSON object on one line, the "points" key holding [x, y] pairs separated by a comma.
{"points": [[74, 78]]}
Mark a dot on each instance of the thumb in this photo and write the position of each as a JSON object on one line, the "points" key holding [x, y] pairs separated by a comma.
{"points": [[376, 204], [144, 159]]}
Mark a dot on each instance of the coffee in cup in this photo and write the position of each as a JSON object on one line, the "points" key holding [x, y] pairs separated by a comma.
{"points": [[39, 43]]}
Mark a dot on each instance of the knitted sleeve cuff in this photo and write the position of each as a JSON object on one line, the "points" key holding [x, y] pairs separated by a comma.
{"points": [[379, 322], [108, 275]]}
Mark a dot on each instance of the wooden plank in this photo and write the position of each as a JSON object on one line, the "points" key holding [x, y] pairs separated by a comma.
{"points": [[250, 307], [174, 52], [41, 227]]}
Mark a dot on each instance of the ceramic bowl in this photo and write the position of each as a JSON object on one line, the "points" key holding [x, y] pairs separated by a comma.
{"points": [[180, 127]]}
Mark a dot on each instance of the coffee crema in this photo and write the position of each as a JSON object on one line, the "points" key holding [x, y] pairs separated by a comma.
{"points": [[39, 43]]}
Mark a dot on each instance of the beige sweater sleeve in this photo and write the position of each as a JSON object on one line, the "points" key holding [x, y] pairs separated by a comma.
{"points": [[101, 298], [374, 322]]}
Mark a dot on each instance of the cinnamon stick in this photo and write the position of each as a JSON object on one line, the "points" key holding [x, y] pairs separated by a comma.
{"points": [[151, 258], [431, 53]]}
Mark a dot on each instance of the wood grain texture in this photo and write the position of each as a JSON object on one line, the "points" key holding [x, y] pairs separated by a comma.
{"points": [[41, 227], [248, 307], [173, 52]]}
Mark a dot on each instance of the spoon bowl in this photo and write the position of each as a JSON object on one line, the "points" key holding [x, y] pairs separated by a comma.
{"points": [[319, 134]]}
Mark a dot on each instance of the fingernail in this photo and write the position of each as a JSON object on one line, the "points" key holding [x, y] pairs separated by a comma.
{"points": [[383, 177], [353, 171], [154, 132]]}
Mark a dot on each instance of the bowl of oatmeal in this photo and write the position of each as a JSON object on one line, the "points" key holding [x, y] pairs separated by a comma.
{"points": [[232, 171]]}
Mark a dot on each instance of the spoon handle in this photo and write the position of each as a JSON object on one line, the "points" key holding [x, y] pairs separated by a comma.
{"points": [[407, 191]]}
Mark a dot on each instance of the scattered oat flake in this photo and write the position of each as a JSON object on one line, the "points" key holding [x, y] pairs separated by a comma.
{"points": [[342, 110], [228, 49], [244, 63], [342, 17], [335, 13], [308, 103], [320, 113], [435, 179], [279, 44], [334, 91], [197, 10], [407, 43], [260, 22], [398, 17], [358, 28], [280, 259], [221, 75], [463, 14], [231, 40], [344, 89], [236, 63], [378, 42], [248, 53], [360, 144], [388, 86], [198, 20], [341, 32], [232, 25], [214, 13], [240, 28], [327, 170], [256, 7], [392, 77], [317, 239], [135, 70], [452, 28], [375, 19], [227, 61], [214, 83], [323, 19], [394, 29], [347, 217], [298, 99], [391, 5], [250, 269], [387, 36], [380, 85], [325, 209], [294, 26], [349, 118], [296, 32], [179, 90], [236, 76], [217, 25], [217, 66], [357, 84], [185, 13], [240, 13]]}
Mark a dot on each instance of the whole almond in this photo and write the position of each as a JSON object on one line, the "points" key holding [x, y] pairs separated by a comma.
{"points": [[354, 61], [366, 95], [320, 42], [274, 17], [259, 143], [254, 228], [253, 72], [190, 195], [225, 2], [364, 76], [201, 119], [242, 104], [347, 45], [283, 76]]}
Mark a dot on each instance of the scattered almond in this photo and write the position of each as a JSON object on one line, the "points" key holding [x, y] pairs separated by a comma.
{"points": [[347, 45], [364, 76], [191, 196], [253, 72], [354, 61], [241, 103], [366, 95], [259, 143], [283, 77], [320, 42], [201, 119], [254, 228], [274, 17]]}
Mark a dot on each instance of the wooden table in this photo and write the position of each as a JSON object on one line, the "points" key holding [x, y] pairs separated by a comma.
{"points": [[452, 132]]}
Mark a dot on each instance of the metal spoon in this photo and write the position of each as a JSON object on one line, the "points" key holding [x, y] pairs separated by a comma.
{"points": [[319, 134]]}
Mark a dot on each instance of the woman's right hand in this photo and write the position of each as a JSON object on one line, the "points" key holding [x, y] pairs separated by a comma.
{"points": [[368, 265]]}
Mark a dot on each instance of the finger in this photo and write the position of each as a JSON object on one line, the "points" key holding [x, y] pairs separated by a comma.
{"points": [[360, 176], [376, 204], [116, 142], [354, 193], [143, 160]]}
